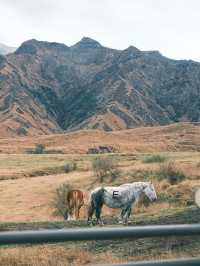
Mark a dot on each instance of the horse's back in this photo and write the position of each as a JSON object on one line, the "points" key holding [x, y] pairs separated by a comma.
{"points": [[116, 197], [75, 197]]}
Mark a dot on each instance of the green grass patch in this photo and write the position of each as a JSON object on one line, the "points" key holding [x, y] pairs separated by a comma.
{"points": [[155, 158]]}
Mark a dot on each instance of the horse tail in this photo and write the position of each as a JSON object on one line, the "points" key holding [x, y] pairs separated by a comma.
{"points": [[95, 201]]}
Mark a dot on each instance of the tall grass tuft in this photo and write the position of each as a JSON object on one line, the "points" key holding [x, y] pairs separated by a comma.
{"points": [[171, 173], [156, 158]]}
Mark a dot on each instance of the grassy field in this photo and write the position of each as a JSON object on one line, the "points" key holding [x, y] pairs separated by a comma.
{"points": [[28, 182], [27, 188]]}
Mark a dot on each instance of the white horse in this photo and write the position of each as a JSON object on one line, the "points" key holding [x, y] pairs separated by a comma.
{"points": [[123, 197]]}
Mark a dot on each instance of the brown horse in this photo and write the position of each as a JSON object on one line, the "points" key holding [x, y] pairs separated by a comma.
{"points": [[75, 202]]}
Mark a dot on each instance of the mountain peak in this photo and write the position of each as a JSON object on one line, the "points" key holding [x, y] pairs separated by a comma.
{"points": [[87, 42], [129, 53], [27, 47], [132, 49], [31, 46]]}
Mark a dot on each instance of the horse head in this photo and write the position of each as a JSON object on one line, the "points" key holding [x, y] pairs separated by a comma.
{"points": [[150, 191]]}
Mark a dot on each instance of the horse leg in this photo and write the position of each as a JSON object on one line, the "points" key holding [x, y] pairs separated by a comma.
{"points": [[78, 207], [98, 214], [123, 211], [66, 215], [127, 213], [70, 215], [91, 210], [74, 213], [77, 212]]}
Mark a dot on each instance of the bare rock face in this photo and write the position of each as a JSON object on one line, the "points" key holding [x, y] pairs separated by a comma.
{"points": [[50, 88]]}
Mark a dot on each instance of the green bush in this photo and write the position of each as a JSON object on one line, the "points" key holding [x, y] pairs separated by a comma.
{"points": [[156, 158], [39, 149], [21, 131], [70, 166], [170, 172]]}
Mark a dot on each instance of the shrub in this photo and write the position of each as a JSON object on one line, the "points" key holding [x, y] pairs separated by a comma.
{"points": [[21, 131], [139, 174], [39, 149], [170, 172], [103, 167], [154, 159], [70, 166], [60, 203], [115, 173]]}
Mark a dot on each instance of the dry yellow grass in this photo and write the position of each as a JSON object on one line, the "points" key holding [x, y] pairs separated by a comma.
{"points": [[52, 255], [29, 199], [175, 137], [58, 255]]}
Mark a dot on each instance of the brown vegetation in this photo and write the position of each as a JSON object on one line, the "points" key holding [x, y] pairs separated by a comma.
{"points": [[60, 201], [31, 193], [29, 199], [105, 167], [53, 255], [146, 139]]}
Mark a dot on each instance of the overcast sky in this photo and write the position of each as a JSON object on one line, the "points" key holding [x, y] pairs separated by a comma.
{"points": [[170, 26]]}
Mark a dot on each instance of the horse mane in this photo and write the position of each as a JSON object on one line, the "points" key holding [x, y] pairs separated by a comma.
{"points": [[135, 184]]}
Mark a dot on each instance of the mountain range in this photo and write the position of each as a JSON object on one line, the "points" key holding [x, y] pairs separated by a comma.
{"points": [[48, 87]]}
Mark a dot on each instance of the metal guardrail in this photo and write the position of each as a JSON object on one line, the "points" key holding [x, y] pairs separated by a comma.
{"points": [[62, 235], [181, 262]]}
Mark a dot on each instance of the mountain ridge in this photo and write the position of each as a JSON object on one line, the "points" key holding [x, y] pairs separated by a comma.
{"points": [[48, 87]]}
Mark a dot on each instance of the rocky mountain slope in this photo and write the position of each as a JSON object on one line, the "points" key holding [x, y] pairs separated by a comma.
{"points": [[50, 88]]}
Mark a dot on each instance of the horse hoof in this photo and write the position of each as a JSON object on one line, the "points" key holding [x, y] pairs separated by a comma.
{"points": [[100, 224]]}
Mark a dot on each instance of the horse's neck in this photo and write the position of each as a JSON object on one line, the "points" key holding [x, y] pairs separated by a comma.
{"points": [[138, 190]]}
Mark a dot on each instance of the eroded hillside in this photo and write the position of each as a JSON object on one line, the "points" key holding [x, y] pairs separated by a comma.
{"points": [[52, 88]]}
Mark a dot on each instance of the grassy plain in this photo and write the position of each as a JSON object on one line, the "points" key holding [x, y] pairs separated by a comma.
{"points": [[28, 183]]}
